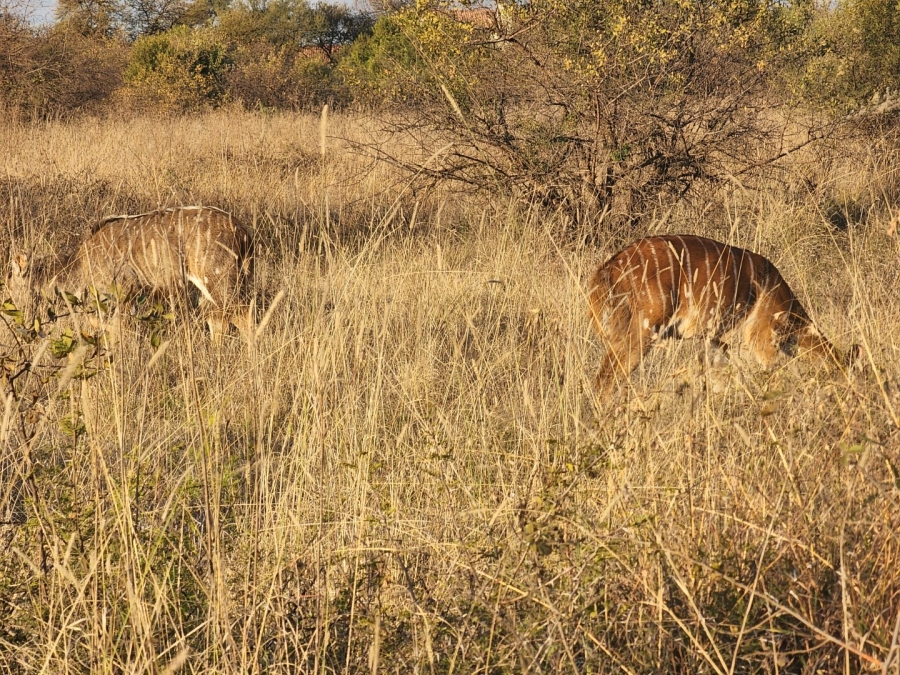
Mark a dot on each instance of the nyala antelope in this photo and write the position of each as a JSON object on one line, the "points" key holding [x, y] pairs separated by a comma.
{"points": [[685, 286], [160, 252]]}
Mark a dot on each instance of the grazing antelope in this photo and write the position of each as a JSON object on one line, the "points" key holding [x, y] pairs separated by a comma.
{"points": [[160, 251], [686, 286]]}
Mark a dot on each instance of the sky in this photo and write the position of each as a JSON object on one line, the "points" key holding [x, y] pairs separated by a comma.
{"points": [[40, 12], [36, 11]]}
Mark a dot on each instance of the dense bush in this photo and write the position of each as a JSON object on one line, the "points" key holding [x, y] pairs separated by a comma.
{"points": [[387, 67], [850, 53], [273, 77], [281, 55], [178, 70]]}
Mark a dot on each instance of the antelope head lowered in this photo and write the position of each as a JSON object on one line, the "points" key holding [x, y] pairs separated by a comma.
{"points": [[160, 251], [686, 286]]}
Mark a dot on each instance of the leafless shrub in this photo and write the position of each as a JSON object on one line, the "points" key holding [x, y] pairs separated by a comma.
{"points": [[614, 121], [46, 71]]}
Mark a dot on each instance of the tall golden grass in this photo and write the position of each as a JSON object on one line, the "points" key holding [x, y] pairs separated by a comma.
{"points": [[408, 470]]}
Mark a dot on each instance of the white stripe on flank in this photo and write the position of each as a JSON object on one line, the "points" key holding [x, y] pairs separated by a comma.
{"points": [[706, 257], [659, 286], [734, 272], [673, 288], [686, 261], [704, 294], [227, 248], [642, 263]]}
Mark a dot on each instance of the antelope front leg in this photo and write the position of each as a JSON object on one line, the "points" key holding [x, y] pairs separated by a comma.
{"points": [[609, 375], [621, 359], [217, 328]]}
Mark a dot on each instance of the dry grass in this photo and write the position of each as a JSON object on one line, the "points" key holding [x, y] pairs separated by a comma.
{"points": [[408, 471]]}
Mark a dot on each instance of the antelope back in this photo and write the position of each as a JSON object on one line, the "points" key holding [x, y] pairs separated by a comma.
{"points": [[685, 286], [165, 249]]}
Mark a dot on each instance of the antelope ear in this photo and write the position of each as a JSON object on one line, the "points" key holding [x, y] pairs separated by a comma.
{"points": [[19, 264]]}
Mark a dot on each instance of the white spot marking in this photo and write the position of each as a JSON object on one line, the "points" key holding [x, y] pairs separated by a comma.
{"points": [[201, 285]]}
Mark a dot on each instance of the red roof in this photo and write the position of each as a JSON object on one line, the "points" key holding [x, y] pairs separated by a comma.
{"points": [[480, 18]]}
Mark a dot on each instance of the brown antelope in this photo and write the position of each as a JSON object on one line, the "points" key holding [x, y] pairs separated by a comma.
{"points": [[160, 251], [686, 286]]}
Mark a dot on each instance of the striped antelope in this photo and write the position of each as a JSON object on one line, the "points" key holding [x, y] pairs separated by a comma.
{"points": [[160, 251], [686, 286]]}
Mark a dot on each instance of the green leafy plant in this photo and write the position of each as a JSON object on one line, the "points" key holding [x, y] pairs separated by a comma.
{"points": [[179, 70]]}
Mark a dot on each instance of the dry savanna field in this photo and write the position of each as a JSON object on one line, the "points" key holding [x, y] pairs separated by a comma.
{"points": [[408, 469]]}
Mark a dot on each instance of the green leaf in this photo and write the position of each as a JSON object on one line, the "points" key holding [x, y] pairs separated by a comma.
{"points": [[16, 314], [63, 346]]}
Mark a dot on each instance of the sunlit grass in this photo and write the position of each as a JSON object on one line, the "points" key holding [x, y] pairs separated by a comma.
{"points": [[409, 470]]}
